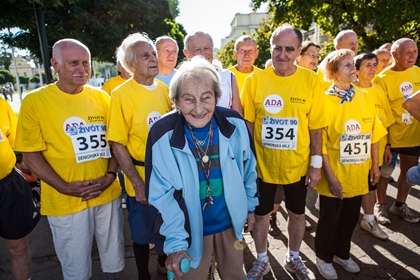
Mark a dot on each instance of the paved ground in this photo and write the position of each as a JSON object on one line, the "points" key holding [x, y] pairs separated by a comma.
{"points": [[397, 258]]}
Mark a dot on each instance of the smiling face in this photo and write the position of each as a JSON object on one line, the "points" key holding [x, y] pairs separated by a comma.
{"points": [[197, 99], [72, 64], [284, 51], [367, 70], [144, 64]]}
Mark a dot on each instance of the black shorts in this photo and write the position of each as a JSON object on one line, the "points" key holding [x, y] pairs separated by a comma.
{"points": [[294, 197], [410, 151], [19, 214]]}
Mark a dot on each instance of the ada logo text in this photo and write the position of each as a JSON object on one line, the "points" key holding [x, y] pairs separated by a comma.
{"points": [[352, 127], [273, 104]]}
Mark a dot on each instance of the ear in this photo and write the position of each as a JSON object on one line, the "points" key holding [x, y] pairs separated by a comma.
{"points": [[187, 54], [55, 64]]}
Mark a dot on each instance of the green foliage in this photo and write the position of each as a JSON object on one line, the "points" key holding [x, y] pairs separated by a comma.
{"points": [[6, 77], [100, 24], [376, 22], [226, 56], [5, 60], [34, 79], [23, 80]]}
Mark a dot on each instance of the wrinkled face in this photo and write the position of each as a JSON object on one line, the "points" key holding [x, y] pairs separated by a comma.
{"points": [[145, 61], [310, 58], [167, 54], [200, 45], [367, 70], [285, 50], [346, 72], [406, 55], [246, 54], [196, 100], [349, 41], [72, 66], [384, 59]]}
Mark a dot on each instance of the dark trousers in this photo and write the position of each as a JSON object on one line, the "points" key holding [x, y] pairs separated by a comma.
{"points": [[337, 221]]}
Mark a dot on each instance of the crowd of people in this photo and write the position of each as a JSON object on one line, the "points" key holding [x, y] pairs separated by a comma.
{"points": [[203, 154]]}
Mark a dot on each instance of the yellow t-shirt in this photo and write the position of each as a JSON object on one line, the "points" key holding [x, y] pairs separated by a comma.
{"points": [[134, 109], [240, 76], [352, 128], [7, 137], [70, 131], [398, 85], [377, 96], [112, 83], [283, 110]]}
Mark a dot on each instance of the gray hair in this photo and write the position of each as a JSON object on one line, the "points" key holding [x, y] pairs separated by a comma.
{"points": [[243, 39], [65, 43], [189, 37], [397, 44], [161, 39], [283, 28], [125, 52], [196, 67], [340, 36]]}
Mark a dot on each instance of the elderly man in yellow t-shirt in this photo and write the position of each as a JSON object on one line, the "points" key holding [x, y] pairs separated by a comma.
{"points": [[135, 107], [286, 116], [399, 82], [246, 52], [62, 135]]}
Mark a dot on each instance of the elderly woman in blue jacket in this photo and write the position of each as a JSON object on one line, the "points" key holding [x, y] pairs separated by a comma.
{"points": [[200, 174]]}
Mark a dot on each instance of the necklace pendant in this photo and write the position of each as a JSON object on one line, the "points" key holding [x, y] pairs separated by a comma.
{"points": [[207, 202], [205, 159]]}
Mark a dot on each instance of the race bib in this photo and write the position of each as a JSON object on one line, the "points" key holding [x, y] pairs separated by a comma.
{"points": [[354, 148], [88, 140], [279, 133]]}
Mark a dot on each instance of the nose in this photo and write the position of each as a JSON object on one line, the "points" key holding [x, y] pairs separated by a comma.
{"points": [[199, 108]]}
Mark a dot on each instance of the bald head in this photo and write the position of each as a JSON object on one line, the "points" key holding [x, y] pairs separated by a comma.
{"points": [[284, 30], [60, 45], [346, 39], [71, 62], [405, 52]]}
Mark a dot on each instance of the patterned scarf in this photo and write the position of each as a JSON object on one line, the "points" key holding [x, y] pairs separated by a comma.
{"points": [[344, 95]]}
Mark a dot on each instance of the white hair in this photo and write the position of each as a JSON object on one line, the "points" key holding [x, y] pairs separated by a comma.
{"points": [[125, 52], [65, 43], [197, 66], [189, 37], [161, 39], [243, 39], [340, 36]]}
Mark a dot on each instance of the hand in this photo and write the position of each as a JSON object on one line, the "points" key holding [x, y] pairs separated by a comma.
{"points": [[172, 262], [313, 177], [101, 184], [84, 189], [140, 194], [387, 155], [375, 175], [336, 189], [250, 221]]}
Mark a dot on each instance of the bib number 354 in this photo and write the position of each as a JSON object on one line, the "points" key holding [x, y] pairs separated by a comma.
{"points": [[279, 133]]}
